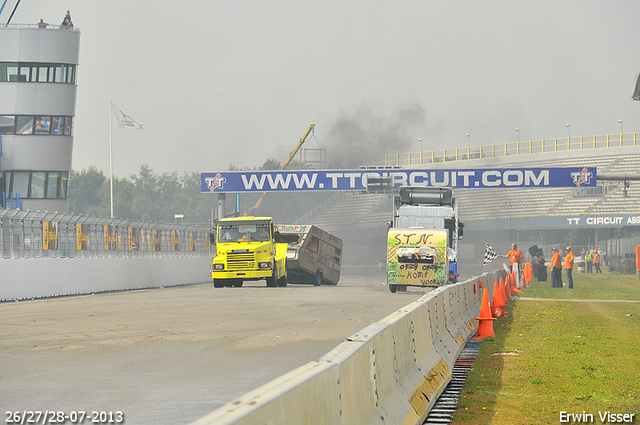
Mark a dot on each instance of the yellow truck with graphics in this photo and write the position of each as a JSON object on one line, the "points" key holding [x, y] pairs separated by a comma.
{"points": [[313, 255], [246, 249], [416, 257]]}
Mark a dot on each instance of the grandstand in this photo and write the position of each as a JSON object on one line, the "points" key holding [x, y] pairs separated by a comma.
{"points": [[500, 215]]}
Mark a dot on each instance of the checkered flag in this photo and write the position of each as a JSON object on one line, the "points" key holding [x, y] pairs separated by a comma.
{"points": [[489, 255]]}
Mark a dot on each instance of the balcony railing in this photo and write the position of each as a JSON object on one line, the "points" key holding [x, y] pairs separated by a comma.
{"points": [[530, 147]]}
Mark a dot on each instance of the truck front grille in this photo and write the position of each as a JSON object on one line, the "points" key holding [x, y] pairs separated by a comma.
{"points": [[241, 260]]}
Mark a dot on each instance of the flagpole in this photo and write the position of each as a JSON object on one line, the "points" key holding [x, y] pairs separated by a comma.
{"points": [[111, 155]]}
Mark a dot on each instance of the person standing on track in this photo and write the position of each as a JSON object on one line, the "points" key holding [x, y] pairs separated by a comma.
{"points": [[588, 259], [556, 269], [568, 266], [596, 261], [515, 257]]}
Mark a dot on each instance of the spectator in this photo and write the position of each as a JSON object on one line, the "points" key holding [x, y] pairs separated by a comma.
{"points": [[542, 269], [515, 257], [588, 259], [42, 23], [568, 266], [556, 269], [596, 261]]}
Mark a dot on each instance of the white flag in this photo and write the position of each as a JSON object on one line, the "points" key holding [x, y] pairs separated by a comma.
{"points": [[123, 120]]}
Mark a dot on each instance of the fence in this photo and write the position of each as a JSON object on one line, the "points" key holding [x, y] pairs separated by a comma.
{"points": [[35, 234], [623, 247], [511, 148]]}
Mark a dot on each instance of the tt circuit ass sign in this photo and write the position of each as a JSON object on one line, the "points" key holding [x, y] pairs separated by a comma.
{"points": [[356, 180]]}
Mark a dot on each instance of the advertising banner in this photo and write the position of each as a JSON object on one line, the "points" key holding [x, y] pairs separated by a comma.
{"points": [[156, 240], [82, 237], [109, 237], [134, 239], [175, 240], [49, 235], [356, 180], [417, 257], [193, 242]]}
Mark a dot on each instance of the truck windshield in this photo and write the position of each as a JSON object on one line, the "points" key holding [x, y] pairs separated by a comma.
{"points": [[237, 231]]}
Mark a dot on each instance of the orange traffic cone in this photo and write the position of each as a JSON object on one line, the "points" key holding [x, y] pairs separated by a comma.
{"points": [[485, 326], [503, 294], [514, 288], [498, 304], [528, 274], [507, 287]]}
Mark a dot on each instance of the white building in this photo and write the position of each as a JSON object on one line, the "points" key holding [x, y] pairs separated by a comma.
{"points": [[38, 74]]}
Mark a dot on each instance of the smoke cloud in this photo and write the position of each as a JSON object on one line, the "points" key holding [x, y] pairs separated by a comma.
{"points": [[355, 138]]}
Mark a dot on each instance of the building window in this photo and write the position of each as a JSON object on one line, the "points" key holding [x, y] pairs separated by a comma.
{"points": [[43, 125], [39, 125], [7, 124], [37, 72], [20, 183], [53, 184], [37, 184], [8, 72], [24, 125]]}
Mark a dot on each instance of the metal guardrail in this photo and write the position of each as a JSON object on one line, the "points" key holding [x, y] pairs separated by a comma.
{"points": [[563, 144], [36, 234], [49, 26]]}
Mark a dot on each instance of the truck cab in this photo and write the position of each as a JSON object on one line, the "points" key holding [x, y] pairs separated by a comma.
{"points": [[423, 238], [246, 250]]}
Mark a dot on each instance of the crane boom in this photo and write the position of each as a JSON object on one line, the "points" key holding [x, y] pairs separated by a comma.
{"points": [[293, 153], [298, 146]]}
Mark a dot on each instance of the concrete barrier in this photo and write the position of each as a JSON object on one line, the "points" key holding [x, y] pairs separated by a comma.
{"points": [[49, 277], [391, 372]]}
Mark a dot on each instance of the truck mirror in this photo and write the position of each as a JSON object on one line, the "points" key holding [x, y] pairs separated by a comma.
{"points": [[212, 237], [276, 236]]}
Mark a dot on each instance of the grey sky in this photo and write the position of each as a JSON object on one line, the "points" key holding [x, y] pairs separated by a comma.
{"points": [[237, 82]]}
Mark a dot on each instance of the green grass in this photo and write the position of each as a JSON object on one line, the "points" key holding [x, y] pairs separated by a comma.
{"points": [[589, 286], [571, 356]]}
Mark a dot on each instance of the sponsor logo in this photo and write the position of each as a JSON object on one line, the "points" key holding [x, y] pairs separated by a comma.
{"points": [[581, 177], [216, 182]]}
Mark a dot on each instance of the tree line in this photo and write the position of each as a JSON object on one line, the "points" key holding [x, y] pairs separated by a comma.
{"points": [[149, 196]]}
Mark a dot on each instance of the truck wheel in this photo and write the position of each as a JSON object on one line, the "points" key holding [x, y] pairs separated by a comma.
{"points": [[237, 283], [282, 282], [393, 288], [218, 283], [318, 280], [271, 280]]}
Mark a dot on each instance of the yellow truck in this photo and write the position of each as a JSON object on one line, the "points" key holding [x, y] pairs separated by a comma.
{"points": [[416, 257], [246, 249], [313, 255]]}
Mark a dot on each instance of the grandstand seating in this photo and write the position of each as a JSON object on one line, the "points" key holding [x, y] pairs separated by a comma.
{"points": [[357, 210]]}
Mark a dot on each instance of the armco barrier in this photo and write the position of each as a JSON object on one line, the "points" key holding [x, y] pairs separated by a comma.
{"points": [[391, 372]]}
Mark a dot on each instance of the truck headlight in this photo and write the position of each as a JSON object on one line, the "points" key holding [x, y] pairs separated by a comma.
{"points": [[264, 265], [218, 266]]}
